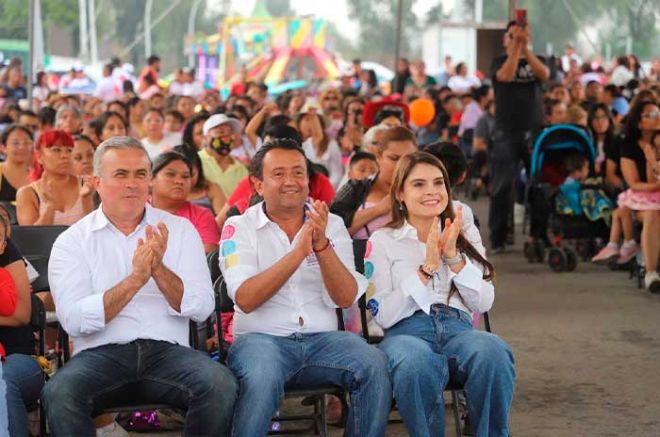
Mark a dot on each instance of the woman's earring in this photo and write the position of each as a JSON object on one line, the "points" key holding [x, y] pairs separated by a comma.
{"points": [[401, 207]]}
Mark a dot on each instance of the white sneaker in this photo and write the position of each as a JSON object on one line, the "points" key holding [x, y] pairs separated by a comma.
{"points": [[652, 282], [518, 213], [111, 430]]}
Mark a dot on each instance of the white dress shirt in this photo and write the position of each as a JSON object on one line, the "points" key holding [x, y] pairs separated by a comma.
{"points": [[252, 243], [93, 256], [392, 260]]}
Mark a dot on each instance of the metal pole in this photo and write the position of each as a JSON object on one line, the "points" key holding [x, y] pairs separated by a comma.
{"points": [[84, 39], [191, 30], [147, 28], [31, 60], [479, 11], [92, 31], [512, 8], [140, 36], [399, 17]]}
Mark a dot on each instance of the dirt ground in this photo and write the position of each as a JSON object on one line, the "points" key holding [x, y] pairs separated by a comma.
{"points": [[587, 348]]}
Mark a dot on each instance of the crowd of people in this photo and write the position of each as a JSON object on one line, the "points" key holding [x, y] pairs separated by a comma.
{"points": [[152, 179]]}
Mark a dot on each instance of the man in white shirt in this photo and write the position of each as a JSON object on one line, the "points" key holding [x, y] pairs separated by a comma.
{"points": [[107, 89], [288, 266], [126, 279]]}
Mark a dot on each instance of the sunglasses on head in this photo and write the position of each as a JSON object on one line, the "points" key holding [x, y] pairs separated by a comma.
{"points": [[652, 115]]}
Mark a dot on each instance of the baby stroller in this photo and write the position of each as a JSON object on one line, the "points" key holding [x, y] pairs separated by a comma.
{"points": [[544, 185]]}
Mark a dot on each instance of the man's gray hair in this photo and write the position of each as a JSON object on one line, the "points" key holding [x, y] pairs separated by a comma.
{"points": [[117, 143], [67, 108]]}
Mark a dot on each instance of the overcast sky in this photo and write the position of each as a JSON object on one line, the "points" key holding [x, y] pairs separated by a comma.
{"points": [[334, 10]]}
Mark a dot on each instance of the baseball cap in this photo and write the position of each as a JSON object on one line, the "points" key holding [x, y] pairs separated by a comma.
{"points": [[218, 119]]}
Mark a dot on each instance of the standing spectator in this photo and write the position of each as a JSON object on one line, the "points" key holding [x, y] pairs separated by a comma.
{"points": [[621, 73], [462, 82], [107, 89], [447, 72], [152, 69], [483, 97], [418, 81], [518, 78], [569, 55], [402, 75]]}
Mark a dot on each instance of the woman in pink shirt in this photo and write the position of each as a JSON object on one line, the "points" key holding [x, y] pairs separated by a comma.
{"points": [[172, 182]]}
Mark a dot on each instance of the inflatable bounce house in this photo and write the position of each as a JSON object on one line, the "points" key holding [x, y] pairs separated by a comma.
{"points": [[263, 48]]}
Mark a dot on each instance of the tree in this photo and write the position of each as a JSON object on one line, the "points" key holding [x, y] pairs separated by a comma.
{"points": [[377, 34], [60, 13], [279, 8]]}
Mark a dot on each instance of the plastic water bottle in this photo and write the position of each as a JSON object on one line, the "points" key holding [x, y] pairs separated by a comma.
{"points": [[276, 425]]}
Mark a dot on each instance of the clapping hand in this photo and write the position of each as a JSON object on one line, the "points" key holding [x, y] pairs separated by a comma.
{"points": [[86, 187], [142, 261], [317, 218], [432, 260], [449, 235], [157, 242], [305, 241]]}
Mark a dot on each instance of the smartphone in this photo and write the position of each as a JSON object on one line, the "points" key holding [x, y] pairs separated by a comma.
{"points": [[521, 17]]}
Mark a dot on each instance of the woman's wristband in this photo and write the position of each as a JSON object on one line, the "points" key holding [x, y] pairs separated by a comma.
{"points": [[428, 273]]}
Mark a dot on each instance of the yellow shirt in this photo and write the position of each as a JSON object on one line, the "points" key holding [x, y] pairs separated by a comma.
{"points": [[226, 179]]}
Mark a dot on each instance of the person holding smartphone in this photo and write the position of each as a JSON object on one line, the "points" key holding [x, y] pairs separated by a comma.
{"points": [[518, 77]]}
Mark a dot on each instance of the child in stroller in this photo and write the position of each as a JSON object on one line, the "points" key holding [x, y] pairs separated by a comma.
{"points": [[560, 196]]}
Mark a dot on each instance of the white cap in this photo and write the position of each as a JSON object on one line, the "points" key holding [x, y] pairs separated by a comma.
{"points": [[218, 119]]}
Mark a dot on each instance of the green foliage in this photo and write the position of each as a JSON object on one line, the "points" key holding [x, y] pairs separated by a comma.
{"points": [[279, 8], [14, 16], [377, 20]]}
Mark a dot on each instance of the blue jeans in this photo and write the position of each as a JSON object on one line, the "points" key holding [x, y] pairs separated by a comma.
{"points": [[264, 364], [24, 380], [143, 371], [3, 406], [425, 352]]}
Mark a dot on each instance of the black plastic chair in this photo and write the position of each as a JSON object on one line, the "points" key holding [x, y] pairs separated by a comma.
{"points": [[35, 244], [315, 394], [38, 325], [212, 260]]}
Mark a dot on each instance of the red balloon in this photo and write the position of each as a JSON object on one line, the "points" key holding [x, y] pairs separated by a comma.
{"points": [[422, 112]]}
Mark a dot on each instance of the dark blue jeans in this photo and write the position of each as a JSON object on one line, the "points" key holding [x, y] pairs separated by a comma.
{"points": [[425, 352], [143, 371], [508, 150], [264, 364], [24, 380]]}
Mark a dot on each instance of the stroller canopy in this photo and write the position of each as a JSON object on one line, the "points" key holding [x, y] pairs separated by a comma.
{"points": [[562, 137]]}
